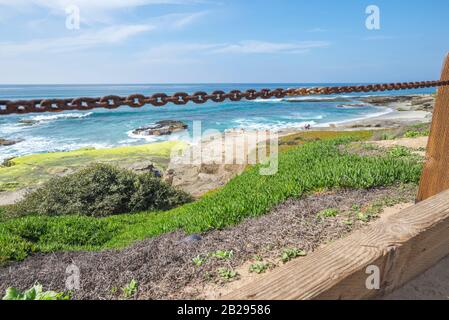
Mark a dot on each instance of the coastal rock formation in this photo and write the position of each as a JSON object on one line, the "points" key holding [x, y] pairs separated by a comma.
{"points": [[6, 142], [161, 128], [404, 103], [352, 105], [320, 99], [199, 169], [28, 122], [143, 167]]}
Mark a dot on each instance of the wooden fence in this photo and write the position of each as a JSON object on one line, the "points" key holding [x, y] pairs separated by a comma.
{"points": [[400, 247]]}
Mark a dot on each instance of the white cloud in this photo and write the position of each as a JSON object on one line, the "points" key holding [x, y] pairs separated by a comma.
{"points": [[186, 20], [95, 37], [91, 10], [185, 52], [60, 5], [253, 47], [105, 36]]}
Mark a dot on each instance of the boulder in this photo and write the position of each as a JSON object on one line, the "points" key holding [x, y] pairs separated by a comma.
{"points": [[143, 166], [353, 105], [161, 128], [28, 122], [6, 142]]}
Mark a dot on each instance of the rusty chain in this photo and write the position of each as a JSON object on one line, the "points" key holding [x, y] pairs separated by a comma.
{"points": [[182, 98]]}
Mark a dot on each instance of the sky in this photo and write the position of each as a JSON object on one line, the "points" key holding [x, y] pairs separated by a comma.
{"points": [[221, 41]]}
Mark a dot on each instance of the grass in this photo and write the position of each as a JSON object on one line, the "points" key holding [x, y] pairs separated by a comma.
{"points": [[313, 166], [35, 169], [291, 141]]}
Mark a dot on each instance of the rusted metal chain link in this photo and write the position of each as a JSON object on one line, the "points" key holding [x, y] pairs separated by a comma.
{"points": [[182, 98]]}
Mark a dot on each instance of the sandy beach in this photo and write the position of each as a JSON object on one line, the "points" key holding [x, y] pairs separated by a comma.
{"points": [[401, 111]]}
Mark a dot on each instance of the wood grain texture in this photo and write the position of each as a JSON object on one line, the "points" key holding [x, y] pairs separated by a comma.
{"points": [[435, 177], [402, 245]]}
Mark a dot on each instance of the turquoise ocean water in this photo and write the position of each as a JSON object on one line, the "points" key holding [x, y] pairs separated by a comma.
{"points": [[104, 128]]}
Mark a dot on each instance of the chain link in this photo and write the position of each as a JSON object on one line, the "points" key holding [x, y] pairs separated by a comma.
{"points": [[182, 98]]}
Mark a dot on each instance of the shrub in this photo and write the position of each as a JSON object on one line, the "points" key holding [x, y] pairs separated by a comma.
{"points": [[99, 190]]}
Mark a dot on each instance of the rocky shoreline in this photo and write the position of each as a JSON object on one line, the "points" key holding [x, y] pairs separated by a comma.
{"points": [[405, 110], [199, 179]]}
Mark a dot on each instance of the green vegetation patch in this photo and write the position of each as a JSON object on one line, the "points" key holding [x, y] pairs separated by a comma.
{"points": [[35, 169], [99, 190], [313, 166], [35, 293]]}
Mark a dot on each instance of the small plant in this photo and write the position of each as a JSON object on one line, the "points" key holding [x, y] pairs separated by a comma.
{"points": [[259, 267], [199, 261], [416, 134], [223, 254], [292, 253], [399, 152], [227, 274], [35, 293], [130, 289], [328, 213]]}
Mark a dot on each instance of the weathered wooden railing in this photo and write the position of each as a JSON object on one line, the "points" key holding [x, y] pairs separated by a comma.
{"points": [[399, 247]]}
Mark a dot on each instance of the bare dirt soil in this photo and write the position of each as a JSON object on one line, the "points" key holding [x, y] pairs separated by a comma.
{"points": [[164, 268], [412, 143]]}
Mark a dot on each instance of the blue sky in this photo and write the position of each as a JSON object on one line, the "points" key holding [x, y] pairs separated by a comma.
{"points": [[176, 41]]}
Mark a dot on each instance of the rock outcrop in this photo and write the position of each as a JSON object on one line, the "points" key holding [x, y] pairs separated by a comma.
{"points": [[161, 128], [6, 142]]}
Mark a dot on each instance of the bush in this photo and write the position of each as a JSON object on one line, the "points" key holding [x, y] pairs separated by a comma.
{"points": [[99, 190]]}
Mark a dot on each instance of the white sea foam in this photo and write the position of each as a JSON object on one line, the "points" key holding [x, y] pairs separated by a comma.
{"points": [[306, 98], [353, 106], [142, 137], [302, 116], [33, 145], [384, 111], [254, 124], [45, 118]]}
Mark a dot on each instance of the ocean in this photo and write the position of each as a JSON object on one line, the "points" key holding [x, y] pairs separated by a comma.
{"points": [[105, 128]]}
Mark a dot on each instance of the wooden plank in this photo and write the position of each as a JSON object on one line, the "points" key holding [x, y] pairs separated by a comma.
{"points": [[402, 246], [435, 177]]}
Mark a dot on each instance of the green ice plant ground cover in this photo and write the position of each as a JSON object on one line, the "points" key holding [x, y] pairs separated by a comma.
{"points": [[314, 166]]}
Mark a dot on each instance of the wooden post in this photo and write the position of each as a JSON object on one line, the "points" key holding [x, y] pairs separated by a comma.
{"points": [[435, 177]]}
